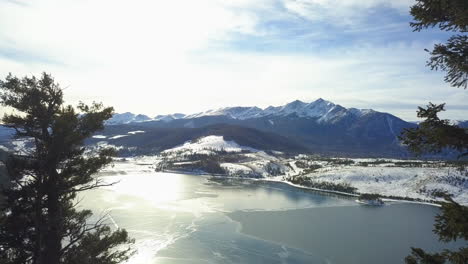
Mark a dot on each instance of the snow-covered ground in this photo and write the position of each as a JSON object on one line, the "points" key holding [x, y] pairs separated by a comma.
{"points": [[415, 179], [209, 144], [243, 161], [390, 177], [118, 136], [136, 132], [398, 181], [258, 164]]}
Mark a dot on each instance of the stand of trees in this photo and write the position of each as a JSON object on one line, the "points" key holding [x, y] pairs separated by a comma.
{"points": [[434, 134], [39, 221], [328, 186]]}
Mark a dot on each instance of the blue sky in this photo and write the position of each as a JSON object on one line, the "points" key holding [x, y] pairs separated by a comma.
{"points": [[160, 57]]}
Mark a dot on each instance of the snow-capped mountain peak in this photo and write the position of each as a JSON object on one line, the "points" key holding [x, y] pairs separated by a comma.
{"points": [[141, 118], [168, 118], [294, 105], [302, 109], [320, 109], [123, 118]]}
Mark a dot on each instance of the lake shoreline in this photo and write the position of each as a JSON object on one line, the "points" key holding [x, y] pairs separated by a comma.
{"points": [[403, 200], [349, 194], [278, 180]]}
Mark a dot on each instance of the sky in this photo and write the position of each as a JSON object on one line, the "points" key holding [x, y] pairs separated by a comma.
{"points": [[167, 56]]}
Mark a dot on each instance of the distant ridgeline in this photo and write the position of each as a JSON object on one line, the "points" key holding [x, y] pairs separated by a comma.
{"points": [[319, 127]]}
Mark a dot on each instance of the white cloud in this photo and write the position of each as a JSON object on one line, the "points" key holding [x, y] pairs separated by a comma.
{"points": [[115, 28], [342, 12], [113, 44], [159, 57]]}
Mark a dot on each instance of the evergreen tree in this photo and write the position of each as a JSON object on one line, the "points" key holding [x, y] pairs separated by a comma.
{"points": [[435, 134], [39, 221], [448, 15]]}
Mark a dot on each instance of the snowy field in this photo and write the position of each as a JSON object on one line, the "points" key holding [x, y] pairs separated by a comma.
{"points": [[420, 183]]}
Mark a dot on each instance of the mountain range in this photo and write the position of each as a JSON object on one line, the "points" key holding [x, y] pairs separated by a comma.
{"points": [[319, 127], [325, 111]]}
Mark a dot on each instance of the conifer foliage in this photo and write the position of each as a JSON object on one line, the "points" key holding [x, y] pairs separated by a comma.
{"points": [[39, 220], [448, 15], [435, 134]]}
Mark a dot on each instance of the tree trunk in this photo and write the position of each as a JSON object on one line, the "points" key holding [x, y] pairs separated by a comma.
{"points": [[39, 225], [53, 243]]}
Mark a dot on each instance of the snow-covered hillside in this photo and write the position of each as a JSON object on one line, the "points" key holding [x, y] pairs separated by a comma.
{"points": [[215, 155], [208, 145], [168, 118], [398, 181], [402, 178], [126, 118]]}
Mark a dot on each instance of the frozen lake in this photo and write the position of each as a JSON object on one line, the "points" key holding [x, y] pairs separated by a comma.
{"points": [[178, 218]]}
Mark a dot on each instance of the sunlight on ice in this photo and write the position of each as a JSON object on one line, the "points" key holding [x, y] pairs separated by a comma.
{"points": [[155, 189]]}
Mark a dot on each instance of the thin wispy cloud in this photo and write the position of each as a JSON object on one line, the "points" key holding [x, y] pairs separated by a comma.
{"points": [[158, 57], [344, 12]]}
